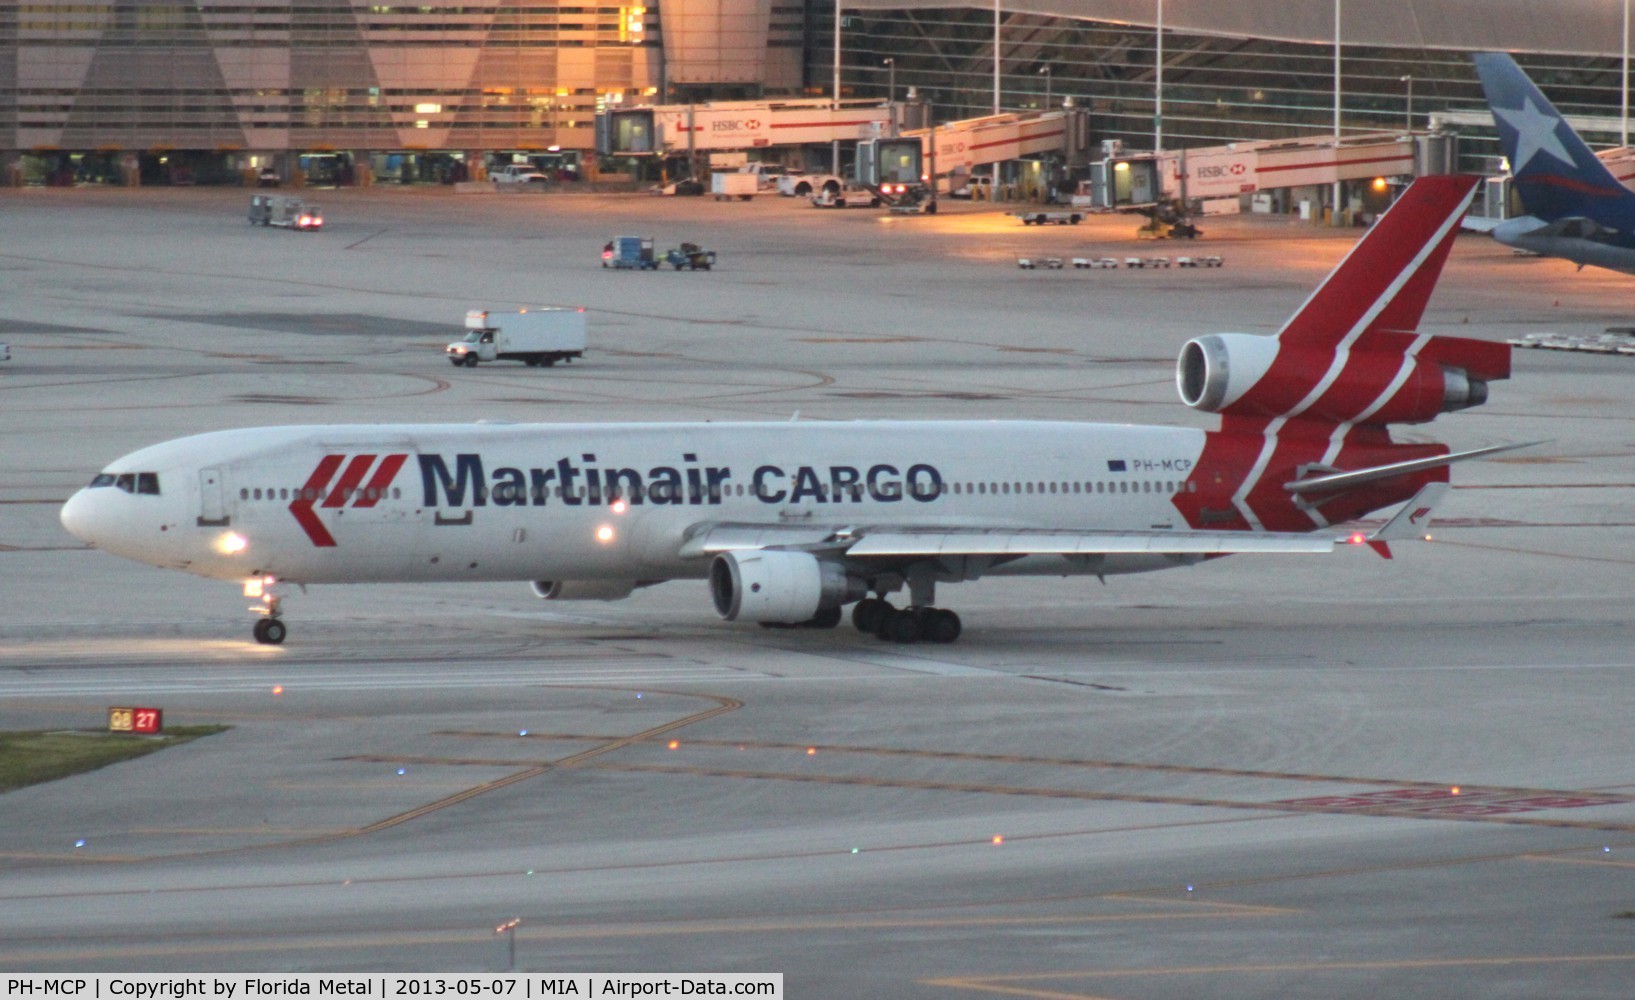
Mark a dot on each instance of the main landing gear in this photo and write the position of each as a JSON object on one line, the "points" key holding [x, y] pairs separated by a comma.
{"points": [[875, 616], [270, 630]]}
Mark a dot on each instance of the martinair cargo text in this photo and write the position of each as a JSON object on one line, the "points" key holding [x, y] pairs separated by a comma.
{"points": [[790, 522]]}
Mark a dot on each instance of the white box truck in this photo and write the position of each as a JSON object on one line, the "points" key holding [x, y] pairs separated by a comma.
{"points": [[535, 336], [726, 186]]}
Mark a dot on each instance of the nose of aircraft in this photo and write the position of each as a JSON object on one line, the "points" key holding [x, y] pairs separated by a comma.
{"points": [[79, 516]]}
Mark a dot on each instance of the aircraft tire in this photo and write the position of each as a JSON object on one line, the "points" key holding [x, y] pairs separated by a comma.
{"points": [[269, 631], [940, 625], [825, 618], [866, 614], [901, 627]]}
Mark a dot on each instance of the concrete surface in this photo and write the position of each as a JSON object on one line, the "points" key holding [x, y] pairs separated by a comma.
{"points": [[1235, 780]]}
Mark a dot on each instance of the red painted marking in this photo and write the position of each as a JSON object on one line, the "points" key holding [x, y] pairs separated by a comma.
{"points": [[355, 471], [1440, 802], [821, 123], [1017, 139], [307, 495], [382, 479], [1317, 164], [1571, 184]]}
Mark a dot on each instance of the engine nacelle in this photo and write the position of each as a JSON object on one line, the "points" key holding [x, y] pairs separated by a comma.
{"points": [[1232, 373], [1216, 371], [583, 590], [779, 586]]}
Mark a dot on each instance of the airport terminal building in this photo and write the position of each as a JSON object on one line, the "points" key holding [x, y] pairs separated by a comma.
{"points": [[159, 91]]}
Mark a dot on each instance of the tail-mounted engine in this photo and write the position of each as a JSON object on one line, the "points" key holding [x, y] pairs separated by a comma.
{"points": [[778, 586], [1240, 374]]}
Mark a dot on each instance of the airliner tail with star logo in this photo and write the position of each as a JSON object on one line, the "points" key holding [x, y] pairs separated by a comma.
{"points": [[1576, 208]]}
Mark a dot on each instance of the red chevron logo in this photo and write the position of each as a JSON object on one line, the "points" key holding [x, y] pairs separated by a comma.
{"points": [[319, 492]]}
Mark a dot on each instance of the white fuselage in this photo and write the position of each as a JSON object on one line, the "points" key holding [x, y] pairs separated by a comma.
{"points": [[604, 502]]}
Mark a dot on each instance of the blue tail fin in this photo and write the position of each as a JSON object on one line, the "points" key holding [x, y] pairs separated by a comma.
{"points": [[1556, 175]]}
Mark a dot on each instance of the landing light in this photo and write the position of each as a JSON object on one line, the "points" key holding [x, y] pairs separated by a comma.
{"points": [[231, 544], [604, 534]]}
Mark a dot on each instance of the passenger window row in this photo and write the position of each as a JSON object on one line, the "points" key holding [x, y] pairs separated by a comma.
{"points": [[143, 484], [285, 493]]}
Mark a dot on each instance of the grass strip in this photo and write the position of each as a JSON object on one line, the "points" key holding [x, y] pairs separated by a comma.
{"points": [[31, 758]]}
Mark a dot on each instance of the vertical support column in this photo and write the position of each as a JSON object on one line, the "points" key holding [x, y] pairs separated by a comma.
{"points": [[1334, 214], [834, 147], [996, 60], [1158, 84]]}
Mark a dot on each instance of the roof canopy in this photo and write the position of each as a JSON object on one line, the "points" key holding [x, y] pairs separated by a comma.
{"points": [[1581, 27]]}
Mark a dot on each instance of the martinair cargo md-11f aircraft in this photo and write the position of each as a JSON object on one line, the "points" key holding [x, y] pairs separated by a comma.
{"points": [[790, 522]]}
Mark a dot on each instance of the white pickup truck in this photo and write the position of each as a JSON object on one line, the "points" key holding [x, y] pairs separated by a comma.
{"points": [[518, 173]]}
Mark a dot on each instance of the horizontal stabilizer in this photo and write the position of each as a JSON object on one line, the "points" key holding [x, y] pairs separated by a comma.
{"points": [[1334, 482]]}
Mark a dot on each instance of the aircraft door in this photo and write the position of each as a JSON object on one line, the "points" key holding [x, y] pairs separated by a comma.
{"points": [[212, 502]]}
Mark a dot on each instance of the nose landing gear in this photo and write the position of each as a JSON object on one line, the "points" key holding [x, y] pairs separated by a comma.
{"points": [[270, 630]]}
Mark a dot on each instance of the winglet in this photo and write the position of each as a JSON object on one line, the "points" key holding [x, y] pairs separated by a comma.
{"points": [[1414, 517]]}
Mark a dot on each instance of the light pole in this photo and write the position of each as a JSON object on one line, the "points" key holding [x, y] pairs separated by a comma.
{"points": [[891, 64], [1045, 72], [1410, 82]]}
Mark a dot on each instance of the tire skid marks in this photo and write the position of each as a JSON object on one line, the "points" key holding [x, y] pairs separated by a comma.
{"points": [[1065, 778]]}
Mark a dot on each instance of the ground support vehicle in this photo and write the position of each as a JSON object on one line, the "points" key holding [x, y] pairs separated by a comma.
{"points": [[1038, 217], [629, 253], [519, 173], [851, 196], [808, 185], [285, 212], [690, 256], [728, 186], [533, 336]]}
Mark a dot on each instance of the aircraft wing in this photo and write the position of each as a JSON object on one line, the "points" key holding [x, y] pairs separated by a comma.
{"points": [[905, 542], [908, 542], [898, 542]]}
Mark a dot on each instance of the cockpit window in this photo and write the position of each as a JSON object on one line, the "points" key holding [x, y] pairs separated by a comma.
{"points": [[144, 483]]}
